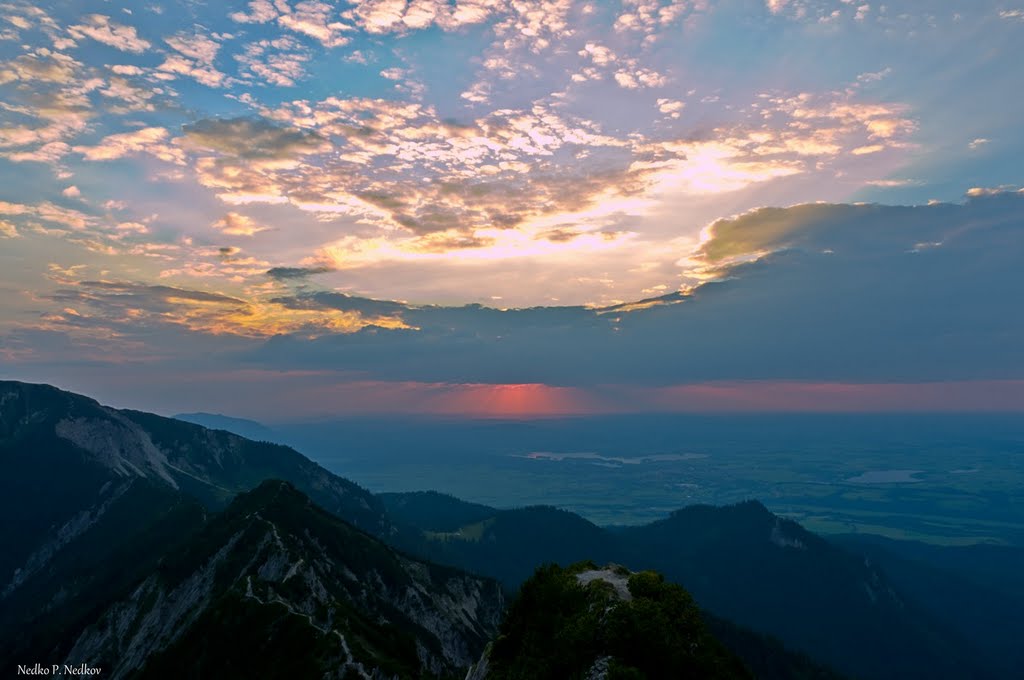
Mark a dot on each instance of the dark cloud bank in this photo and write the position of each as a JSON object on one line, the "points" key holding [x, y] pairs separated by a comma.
{"points": [[863, 293]]}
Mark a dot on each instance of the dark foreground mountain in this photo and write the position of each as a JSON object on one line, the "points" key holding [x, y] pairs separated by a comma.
{"points": [[607, 622], [590, 622], [742, 563], [92, 497], [978, 590], [41, 426], [121, 543], [750, 566], [277, 587]]}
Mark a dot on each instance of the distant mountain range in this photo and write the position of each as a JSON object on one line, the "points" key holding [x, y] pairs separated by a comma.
{"points": [[157, 548], [758, 570], [250, 429]]}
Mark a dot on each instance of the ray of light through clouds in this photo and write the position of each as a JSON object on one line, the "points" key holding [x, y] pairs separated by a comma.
{"points": [[673, 188]]}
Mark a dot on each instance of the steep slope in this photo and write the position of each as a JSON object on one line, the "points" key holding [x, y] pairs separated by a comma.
{"points": [[510, 544], [741, 563], [89, 494], [765, 656], [90, 559], [39, 421], [250, 429], [997, 567], [758, 570], [976, 590], [278, 587], [598, 623], [433, 511]]}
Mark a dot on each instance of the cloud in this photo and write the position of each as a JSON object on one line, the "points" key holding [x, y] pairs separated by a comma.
{"points": [[150, 140], [48, 212], [235, 224], [317, 20], [277, 62], [139, 292], [400, 166], [290, 273], [250, 138], [101, 29], [193, 56], [397, 16], [979, 192], [635, 78], [44, 66], [345, 303], [260, 12], [762, 230], [130, 98], [648, 16], [670, 107], [132, 227], [138, 315], [893, 183], [50, 105], [855, 293]]}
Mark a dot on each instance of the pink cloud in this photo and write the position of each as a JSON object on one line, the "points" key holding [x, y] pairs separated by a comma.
{"points": [[834, 397]]}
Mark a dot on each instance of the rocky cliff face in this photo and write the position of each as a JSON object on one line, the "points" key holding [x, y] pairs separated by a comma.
{"points": [[69, 461], [131, 514], [211, 465], [289, 565]]}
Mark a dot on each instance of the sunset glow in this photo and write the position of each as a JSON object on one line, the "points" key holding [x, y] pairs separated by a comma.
{"points": [[553, 194]]}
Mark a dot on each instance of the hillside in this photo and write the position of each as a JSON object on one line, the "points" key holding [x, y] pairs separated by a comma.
{"points": [[250, 429], [278, 587], [510, 544], [591, 622], [93, 497], [150, 541], [40, 424], [745, 565], [433, 511], [976, 590]]}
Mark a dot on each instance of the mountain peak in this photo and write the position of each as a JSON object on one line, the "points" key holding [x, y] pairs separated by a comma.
{"points": [[211, 465], [590, 621], [301, 580], [271, 492]]}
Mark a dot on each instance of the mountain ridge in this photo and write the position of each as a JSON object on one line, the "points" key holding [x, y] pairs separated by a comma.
{"points": [[277, 559], [743, 564], [85, 484], [89, 485]]}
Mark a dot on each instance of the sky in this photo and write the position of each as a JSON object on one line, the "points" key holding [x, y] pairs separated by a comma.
{"points": [[492, 208]]}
